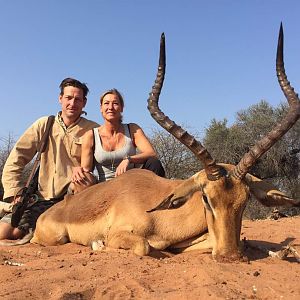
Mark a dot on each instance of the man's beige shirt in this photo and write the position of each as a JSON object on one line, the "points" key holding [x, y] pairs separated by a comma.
{"points": [[62, 153]]}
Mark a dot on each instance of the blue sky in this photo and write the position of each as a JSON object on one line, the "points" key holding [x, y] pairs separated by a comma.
{"points": [[220, 56]]}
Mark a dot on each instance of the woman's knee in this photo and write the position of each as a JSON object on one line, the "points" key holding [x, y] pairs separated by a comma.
{"points": [[154, 164]]}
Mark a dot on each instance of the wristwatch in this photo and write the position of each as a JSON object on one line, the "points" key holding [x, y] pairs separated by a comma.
{"points": [[128, 157]]}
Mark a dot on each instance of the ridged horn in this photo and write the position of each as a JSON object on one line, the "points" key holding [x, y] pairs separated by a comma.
{"points": [[280, 129], [213, 171]]}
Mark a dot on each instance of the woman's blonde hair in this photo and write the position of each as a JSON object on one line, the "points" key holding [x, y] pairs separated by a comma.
{"points": [[114, 92]]}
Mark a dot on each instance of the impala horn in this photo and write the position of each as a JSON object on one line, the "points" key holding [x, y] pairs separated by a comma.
{"points": [[213, 171], [280, 129]]}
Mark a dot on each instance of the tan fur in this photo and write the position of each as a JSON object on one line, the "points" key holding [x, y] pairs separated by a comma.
{"points": [[115, 213], [108, 210]]}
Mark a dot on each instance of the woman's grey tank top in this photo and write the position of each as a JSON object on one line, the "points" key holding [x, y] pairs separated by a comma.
{"points": [[106, 162]]}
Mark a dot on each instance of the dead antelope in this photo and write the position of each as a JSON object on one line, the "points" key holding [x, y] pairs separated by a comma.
{"points": [[139, 210]]}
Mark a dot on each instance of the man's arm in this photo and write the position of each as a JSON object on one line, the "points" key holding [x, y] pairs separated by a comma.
{"points": [[22, 153]]}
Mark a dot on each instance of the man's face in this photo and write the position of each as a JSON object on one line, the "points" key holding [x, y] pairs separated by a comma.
{"points": [[72, 102]]}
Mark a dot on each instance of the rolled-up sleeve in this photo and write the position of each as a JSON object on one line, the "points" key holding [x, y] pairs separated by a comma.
{"points": [[21, 154]]}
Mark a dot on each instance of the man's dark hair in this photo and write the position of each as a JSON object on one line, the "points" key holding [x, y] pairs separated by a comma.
{"points": [[73, 82]]}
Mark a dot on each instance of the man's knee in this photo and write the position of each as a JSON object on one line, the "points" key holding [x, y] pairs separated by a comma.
{"points": [[9, 232]]}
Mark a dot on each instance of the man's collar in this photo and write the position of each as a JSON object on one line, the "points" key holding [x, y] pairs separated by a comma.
{"points": [[61, 121], [63, 125]]}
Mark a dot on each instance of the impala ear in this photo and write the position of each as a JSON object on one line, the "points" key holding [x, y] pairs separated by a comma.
{"points": [[267, 194], [180, 194], [170, 202]]}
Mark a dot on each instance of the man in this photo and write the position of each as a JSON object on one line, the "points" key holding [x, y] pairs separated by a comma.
{"points": [[61, 155]]}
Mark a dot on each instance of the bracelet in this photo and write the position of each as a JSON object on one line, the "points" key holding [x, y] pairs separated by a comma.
{"points": [[128, 157]]}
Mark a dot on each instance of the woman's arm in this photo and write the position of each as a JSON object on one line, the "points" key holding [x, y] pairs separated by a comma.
{"points": [[87, 157], [144, 146], [142, 143]]}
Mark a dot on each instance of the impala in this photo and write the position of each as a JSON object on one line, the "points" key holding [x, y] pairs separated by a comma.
{"points": [[139, 210]]}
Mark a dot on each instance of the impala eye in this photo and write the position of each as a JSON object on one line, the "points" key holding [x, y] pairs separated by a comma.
{"points": [[205, 199]]}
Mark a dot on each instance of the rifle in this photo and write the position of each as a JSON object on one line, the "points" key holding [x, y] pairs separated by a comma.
{"points": [[31, 186]]}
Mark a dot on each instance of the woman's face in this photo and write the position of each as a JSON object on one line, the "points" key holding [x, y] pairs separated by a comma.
{"points": [[111, 107]]}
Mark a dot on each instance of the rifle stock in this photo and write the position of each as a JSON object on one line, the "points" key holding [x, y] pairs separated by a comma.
{"points": [[26, 193]]}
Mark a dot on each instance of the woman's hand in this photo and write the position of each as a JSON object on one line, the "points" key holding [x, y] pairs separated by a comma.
{"points": [[122, 167]]}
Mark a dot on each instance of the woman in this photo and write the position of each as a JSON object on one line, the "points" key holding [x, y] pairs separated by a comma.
{"points": [[113, 146]]}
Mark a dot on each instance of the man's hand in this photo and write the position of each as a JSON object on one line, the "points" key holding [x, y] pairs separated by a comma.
{"points": [[78, 175], [16, 200]]}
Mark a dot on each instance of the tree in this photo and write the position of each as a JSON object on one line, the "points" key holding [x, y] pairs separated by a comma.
{"points": [[280, 165], [178, 161]]}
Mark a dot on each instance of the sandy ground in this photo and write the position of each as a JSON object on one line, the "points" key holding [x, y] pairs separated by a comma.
{"points": [[76, 272]]}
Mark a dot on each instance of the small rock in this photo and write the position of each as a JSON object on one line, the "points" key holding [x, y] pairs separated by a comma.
{"points": [[256, 273]]}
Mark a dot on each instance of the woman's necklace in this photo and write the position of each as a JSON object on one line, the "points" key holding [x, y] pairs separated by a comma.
{"points": [[112, 154]]}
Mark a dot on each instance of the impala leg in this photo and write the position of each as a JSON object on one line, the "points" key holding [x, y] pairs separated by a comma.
{"points": [[203, 245], [199, 243], [128, 240]]}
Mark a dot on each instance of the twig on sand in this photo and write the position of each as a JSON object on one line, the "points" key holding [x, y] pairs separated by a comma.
{"points": [[281, 254], [12, 263]]}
